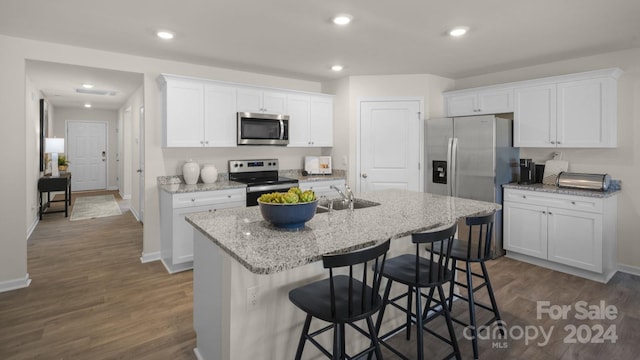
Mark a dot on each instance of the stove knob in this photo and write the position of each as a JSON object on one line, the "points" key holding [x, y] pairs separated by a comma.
{"points": [[235, 165], [241, 165]]}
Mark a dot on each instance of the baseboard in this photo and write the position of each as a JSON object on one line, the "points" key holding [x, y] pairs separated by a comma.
{"points": [[135, 213], [149, 257], [15, 284], [172, 269], [32, 227], [112, 188], [126, 197], [628, 269], [198, 355]]}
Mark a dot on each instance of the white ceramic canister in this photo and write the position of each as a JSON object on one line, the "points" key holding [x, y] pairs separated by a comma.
{"points": [[209, 174], [190, 172]]}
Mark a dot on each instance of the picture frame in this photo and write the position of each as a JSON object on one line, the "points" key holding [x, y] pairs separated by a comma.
{"points": [[44, 131]]}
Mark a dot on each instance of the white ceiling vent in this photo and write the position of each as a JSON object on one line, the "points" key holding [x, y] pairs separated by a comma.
{"points": [[96, 92]]}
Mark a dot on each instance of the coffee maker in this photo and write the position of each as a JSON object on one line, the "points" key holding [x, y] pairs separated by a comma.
{"points": [[527, 171]]}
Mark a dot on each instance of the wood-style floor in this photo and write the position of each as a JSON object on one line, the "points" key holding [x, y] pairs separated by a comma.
{"points": [[91, 298]]}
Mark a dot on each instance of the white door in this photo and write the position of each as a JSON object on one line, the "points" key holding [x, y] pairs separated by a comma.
{"points": [[389, 153], [87, 152]]}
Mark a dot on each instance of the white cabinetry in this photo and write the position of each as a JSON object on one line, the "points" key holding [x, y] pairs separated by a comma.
{"points": [[573, 111], [323, 187], [479, 102], [176, 234], [257, 100], [310, 120], [575, 234], [197, 113]]}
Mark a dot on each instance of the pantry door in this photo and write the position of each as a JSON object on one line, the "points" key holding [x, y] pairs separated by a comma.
{"points": [[390, 151], [87, 153]]}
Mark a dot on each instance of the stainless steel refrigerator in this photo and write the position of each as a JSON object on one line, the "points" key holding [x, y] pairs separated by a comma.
{"points": [[471, 157]]}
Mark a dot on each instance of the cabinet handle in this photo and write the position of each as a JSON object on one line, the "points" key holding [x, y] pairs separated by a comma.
{"points": [[553, 142], [207, 142], [193, 199], [524, 196], [229, 196], [544, 212], [558, 142], [550, 213], [573, 203]]}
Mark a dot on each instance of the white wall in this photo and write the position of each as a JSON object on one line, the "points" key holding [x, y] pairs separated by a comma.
{"points": [[350, 91], [13, 54], [32, 143], [62, 115], [622, 162]]}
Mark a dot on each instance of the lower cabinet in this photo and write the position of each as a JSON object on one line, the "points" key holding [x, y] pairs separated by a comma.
{"points": [[575, 232], [323, 187], [176, 234]]}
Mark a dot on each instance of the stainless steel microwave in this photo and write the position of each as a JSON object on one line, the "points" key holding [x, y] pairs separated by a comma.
{"points": [[263, 129]]}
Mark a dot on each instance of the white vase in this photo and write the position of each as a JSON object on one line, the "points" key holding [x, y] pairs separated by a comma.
{"points": [[190, 172], [209, 174]]}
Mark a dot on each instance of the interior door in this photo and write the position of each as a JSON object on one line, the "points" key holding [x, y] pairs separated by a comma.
{"points": [[140, 170], [87, 147], [390, 155]]}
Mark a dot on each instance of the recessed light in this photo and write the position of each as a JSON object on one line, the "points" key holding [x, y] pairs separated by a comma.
{"points": [[166, 35], [87, 105], [342, 19], [337, 68], [87, 86], [458, 31]]}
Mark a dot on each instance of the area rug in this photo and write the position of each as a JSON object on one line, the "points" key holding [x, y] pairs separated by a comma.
{"points": [[92, 207]]}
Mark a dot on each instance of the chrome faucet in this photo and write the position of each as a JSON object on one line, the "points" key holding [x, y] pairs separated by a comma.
{"points": [[349, 197]]}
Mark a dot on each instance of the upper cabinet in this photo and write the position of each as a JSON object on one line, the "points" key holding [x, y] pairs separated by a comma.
{"points": [[253, 100], [203, 113], [310, 120], [197, 114], [573, 111], [576, 111], [479, 102]]}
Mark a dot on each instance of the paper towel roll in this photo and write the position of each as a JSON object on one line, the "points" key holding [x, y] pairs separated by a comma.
{"points": [[551, 170]]}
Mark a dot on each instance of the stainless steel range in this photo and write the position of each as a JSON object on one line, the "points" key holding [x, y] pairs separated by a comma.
{"points": [[261, 177]]}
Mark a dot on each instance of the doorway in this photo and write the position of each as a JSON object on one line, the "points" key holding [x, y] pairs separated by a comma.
{"points": [[390, 141], [87, 153]]}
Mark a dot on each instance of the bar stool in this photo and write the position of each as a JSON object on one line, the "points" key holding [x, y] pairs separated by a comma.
{"points": [[419, 273], [343, 299], [476, 249]]}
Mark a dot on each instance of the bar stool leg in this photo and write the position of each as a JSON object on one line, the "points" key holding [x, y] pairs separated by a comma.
{"points": [[303, 337], [447, 316], [454, 265], [419, 324], [472, 311], [494, 304], [409, 297], [374, 339]]}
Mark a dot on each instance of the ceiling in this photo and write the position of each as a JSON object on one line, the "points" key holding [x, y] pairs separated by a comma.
{"points": [[296, 38]]}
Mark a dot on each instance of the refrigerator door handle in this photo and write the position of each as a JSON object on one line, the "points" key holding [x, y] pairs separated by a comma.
{"points": [[449, 163], [453, 175]]}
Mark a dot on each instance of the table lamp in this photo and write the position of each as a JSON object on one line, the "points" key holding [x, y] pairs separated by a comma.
{"points": [[54, 146]]}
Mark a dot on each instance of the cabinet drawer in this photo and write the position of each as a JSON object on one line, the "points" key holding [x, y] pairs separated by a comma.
{"points": [[323, 188], [569, 202], [209, 198]]}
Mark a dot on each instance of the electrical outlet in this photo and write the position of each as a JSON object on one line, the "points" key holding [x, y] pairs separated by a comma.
{"points": [[252, 298]]}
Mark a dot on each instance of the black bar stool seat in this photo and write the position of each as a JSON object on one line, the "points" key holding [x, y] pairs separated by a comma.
{"points": [[343, 299], [402, 269]]}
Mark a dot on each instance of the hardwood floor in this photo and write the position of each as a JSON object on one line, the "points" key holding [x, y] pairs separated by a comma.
{"points": [[91, 298]]}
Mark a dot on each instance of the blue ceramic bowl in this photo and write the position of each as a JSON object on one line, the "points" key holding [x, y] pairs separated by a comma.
{"points": [[288, 216]]}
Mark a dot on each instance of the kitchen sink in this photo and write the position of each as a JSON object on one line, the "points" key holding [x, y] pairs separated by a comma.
{"points": [[339, 204]]}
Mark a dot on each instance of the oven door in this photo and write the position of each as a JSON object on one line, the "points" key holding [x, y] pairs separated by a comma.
{"points": [[254, 192], [262, 129]]}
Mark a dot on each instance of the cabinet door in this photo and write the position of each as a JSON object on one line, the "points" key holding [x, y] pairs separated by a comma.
{"points": [[321, 121], [525, 229], [461, 105], [274, 103], [323, 188], [184, 115], [220, 116], [182, 237], [534, 122], [495, 101], [299, 109], [575, 238], [249, 100], [585, 114]]}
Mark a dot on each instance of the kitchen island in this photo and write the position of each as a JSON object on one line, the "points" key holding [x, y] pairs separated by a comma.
{"points": [[244, 267]]}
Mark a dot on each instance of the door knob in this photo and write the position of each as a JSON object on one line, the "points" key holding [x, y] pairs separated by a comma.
{"points": [[364, 175], [139, 171]]}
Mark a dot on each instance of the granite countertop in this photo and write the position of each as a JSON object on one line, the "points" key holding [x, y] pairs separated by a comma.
{"points": [[264, 249], [297, 174], [564, 191], [175, 185]]}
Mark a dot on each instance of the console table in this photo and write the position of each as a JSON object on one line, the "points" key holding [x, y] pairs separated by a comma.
{"points": [[47, 184]]}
